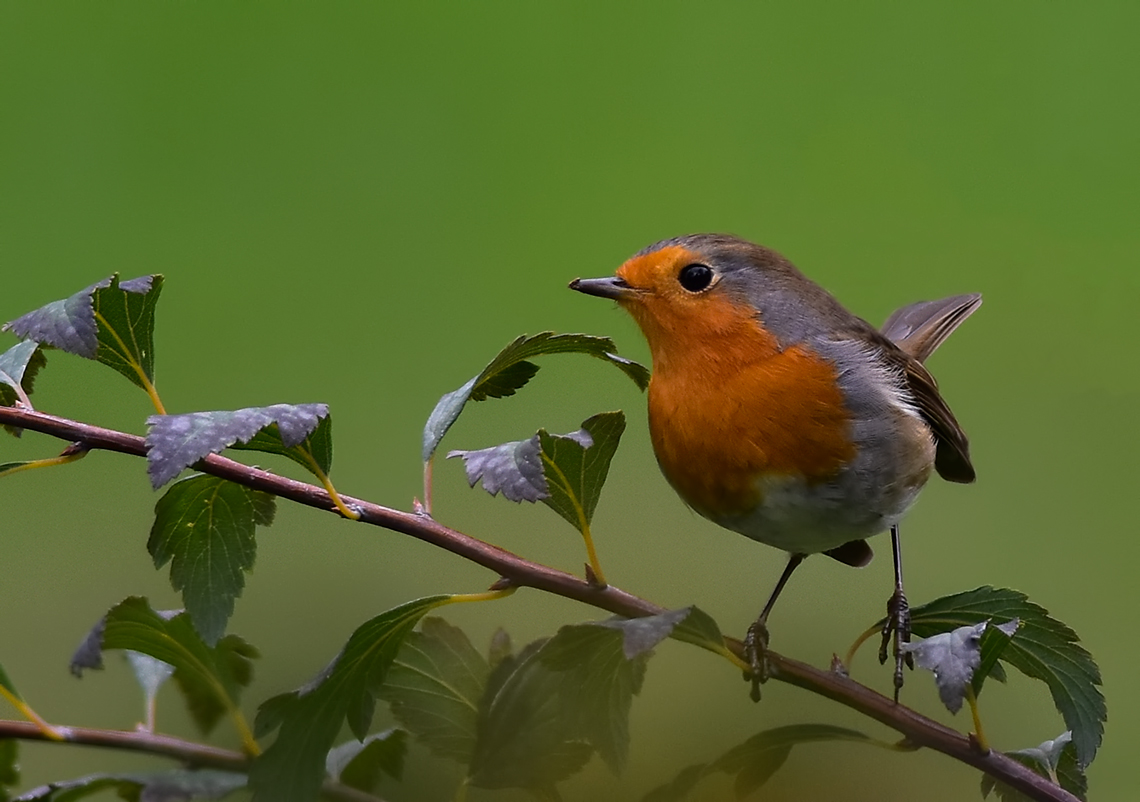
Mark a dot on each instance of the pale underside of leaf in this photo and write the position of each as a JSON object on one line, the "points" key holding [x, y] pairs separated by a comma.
{"points": [[175, 442], [510, 370]]}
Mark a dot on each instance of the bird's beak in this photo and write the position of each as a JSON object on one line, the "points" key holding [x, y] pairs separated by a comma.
{"points": [[609, 287]]}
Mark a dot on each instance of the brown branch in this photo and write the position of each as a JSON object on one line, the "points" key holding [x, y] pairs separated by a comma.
{"points": [[192, 754], [520, 572]]}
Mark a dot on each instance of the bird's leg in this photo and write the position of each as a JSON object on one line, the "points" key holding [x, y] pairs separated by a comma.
{"points": [[756, 640], [898, 619]]}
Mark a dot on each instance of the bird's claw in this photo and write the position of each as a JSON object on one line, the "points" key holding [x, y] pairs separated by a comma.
{"points": [[896, 632], [756, 652]]}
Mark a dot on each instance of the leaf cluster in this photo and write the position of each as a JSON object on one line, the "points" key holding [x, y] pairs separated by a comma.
{"points": [[512, 719]]}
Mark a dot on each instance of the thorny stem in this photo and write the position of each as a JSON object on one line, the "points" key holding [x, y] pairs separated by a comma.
{"points": [[917, 729]]}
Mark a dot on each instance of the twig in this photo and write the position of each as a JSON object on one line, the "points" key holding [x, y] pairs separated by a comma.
{"points": [[191, 753], [520, 572]]}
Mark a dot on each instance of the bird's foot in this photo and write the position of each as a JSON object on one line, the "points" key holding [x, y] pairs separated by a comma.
{"points": [[756, 652], [896, 631]]}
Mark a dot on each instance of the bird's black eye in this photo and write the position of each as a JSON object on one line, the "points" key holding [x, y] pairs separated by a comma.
{"points": [[695, 278]]}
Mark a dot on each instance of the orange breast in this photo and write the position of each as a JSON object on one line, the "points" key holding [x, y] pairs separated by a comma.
{"points": [[727, 408]]}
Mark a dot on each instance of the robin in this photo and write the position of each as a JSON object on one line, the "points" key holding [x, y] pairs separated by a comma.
{"points": [[778, 414]]}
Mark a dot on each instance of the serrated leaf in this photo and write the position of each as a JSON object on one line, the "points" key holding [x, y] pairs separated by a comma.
{"points": [[170, 637], [514, 468], [172, 785], [699, 629], [111, 322], [757, 759], [361, 764], [205, 526], [19, 366], [509, 371], [1070, 776], [234, 659], [1043, 649], [524, 739], [565, 472], [953, 657], [434, 687], [175, 442], [308, 719], [125, 316], [994, 641], [603, 666], [1048, 753], [576, 466], [68, 325], [314, 449]]}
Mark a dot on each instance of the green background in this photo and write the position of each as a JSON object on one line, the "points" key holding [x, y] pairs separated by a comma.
{"points": [[361, 203]]}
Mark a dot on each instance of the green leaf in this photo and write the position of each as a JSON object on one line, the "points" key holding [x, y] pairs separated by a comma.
{"points": [[125, 316], [757, 759], [515, 468], [500, 648], [308, 719], [955, 657], [7, 684], [233, 657], [576, 466], [205, 673], [111, 322], [434, 687], [1043, 649], [204, 526], [9, 766], [315, 449], [524, 740], [171, 785], [175, 442], [18, 368], [509, 371], [10, 466], [1070, 776], [699, 629], [362, 764], [564, 471], [603, 667], [994, 641]]}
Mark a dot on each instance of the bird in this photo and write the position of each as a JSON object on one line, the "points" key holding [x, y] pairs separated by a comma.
{"points": [[776, 413]]}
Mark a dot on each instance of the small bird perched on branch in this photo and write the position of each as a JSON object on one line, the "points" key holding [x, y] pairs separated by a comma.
{"points": [[778, 414]]}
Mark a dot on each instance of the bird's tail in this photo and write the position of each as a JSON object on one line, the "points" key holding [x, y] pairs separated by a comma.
{"points": [[920, 328]]}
